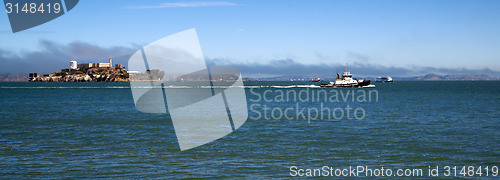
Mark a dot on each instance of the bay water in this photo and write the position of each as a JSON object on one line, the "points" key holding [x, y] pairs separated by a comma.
{"points": [[93, 130]]}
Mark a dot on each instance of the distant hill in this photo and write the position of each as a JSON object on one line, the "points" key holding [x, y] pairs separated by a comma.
{"points": [[428, 77], [13, 77], [437, 77]]}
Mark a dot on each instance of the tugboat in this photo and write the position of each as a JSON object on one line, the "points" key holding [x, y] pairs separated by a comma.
{"points": [[346, 81], [384, 79]]}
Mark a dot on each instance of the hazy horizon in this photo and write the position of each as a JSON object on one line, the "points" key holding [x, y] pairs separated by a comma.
{"points": [[376, 38]]}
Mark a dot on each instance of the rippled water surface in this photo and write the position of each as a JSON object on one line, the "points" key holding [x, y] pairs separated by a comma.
{"points": [[93, 130]]}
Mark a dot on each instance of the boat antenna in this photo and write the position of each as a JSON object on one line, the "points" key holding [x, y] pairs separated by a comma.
{"points": [[346, 67]]}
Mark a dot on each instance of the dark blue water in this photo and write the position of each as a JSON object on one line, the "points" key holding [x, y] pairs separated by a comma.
{"points": [[93, 130]]}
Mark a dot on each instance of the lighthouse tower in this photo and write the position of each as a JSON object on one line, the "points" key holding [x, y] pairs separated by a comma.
{"points": [[110, 62], [72, 65]]}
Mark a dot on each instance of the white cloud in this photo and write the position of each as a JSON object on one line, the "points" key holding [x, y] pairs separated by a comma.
{"points": [[185, 4]]}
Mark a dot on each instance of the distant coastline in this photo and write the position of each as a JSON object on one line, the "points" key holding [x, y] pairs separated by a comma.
{"points": [[13, 77], [107, 72], [427, 77]]}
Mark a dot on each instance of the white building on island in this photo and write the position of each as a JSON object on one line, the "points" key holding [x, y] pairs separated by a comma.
{"points": [[99, 65], [73, 65]]}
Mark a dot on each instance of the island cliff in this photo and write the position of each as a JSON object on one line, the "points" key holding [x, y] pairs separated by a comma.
{"points": [[93, 74]]}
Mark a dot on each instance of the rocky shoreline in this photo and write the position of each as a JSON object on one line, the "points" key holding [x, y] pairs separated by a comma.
{"points": [[93, 74]]}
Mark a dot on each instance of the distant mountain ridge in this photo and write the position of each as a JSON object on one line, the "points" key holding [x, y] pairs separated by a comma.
{"points": [[455, 77], [13, 77], [428, 77]]}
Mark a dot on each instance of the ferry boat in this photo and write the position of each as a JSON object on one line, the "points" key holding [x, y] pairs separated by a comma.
{"points": [[384, 79], [346, 81], [315, 80]]}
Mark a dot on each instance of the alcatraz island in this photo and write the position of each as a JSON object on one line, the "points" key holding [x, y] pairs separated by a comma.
{"points": [[86, 72]]}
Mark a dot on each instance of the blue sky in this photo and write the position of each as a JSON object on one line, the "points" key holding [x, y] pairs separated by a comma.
{"points": [[403, 34]]}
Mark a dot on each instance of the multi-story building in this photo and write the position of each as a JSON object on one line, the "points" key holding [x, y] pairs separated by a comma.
{"points": [[99, 65]]}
